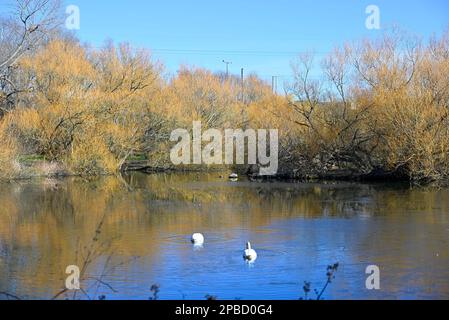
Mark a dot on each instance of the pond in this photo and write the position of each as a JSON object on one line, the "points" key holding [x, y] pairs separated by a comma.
{"points": [[297, 229]]}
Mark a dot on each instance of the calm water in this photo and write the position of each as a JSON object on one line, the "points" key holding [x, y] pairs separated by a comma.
{"points": [[297, 230]]}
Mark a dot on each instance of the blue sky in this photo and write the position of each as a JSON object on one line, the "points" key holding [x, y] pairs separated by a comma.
{"points": [[258, 35]]}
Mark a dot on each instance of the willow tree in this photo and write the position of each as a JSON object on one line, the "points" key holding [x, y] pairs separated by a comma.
{"points": [[28, 25]]}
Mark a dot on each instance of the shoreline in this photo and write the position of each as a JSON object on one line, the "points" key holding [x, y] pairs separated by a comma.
{"points": [[33, 170]]}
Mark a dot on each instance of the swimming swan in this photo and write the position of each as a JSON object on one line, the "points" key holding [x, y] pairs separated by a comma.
{"points": [[197, 239], [249, 254], [233, 176]]}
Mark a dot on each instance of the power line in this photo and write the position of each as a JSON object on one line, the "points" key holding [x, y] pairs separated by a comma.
{"points": [[226, 52], [232, 52]]}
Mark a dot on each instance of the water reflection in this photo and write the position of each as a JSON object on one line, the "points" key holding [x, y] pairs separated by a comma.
{"points": [[297, 229]]}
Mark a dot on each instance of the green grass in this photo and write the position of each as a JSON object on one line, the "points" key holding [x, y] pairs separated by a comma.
{"points": [[31, 158], [137, 157]]}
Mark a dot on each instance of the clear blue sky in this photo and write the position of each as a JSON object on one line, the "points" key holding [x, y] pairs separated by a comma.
{"points": [[259, 35]]}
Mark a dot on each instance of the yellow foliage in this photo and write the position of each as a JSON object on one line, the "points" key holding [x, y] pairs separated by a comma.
{"points": [[381, 104], [9, 167], [91, 157], [198, 95], [90, 110]]}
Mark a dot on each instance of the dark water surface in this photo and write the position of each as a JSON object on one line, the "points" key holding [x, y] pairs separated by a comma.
{"points": [[297, 230]]}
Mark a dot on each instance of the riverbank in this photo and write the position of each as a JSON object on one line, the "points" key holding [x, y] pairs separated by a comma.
{"points": [[33, 166], [251, 172]]}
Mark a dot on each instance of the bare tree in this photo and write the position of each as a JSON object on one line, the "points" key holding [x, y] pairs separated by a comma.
{"points": [[29, 23], [305, 93], [326, 112]]}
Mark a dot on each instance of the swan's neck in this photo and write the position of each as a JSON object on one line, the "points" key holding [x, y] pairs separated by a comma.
{"points": [[248, 246]]}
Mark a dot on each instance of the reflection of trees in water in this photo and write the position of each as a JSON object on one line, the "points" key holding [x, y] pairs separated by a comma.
{"points": [[41, 223], [268, 199]]}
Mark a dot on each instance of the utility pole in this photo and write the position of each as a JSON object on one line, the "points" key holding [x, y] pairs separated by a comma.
{"points": [[242, 84], [242, 97], [227, 67], [274, 84]]}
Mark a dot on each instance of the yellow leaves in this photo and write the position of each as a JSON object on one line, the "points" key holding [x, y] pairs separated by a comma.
{"points": [[9, 166], [272, 112], [89, 108], [416, 135], [91, 157], [27, 119], [198, 95], [124, 72], [60, 63]]}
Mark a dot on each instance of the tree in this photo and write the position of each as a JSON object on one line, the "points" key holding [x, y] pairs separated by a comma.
{"points": [[24, 31]]}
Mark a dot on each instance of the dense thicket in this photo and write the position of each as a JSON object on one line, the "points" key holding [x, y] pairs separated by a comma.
{"points": [[380, 106]]}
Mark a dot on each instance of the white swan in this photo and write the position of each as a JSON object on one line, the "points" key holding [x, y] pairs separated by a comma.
{"points": [[233, 176], [249, 254], [197, 239]]}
